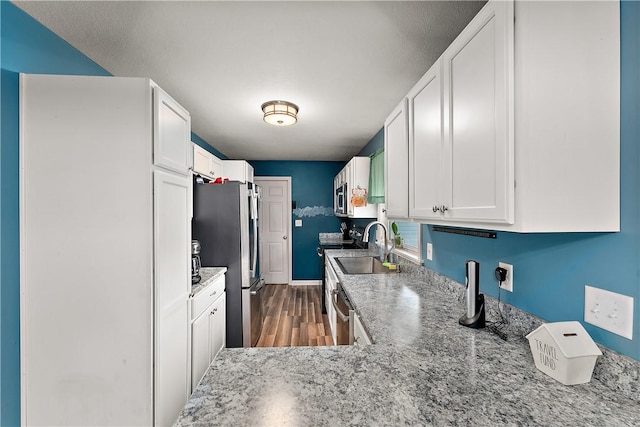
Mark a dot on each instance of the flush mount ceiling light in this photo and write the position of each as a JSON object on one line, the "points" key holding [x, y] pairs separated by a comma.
{"points": [[280, 113]]}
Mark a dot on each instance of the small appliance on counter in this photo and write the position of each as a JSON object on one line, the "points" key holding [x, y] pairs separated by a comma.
{"points": [[196, 265], [474, 318]]}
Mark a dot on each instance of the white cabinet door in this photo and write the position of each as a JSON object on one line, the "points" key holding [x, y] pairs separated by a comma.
{"points": [[238, 170], [171, 133], [426, 145], [200, 357], [396, 159], [172, 281], [360, 336], [201, 161], [217, 327], [478, 104], [217, 169]]}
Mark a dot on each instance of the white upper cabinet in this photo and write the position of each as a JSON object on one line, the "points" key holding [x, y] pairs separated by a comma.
{"points": [[238, 170], [426, 146], [396, 158], [477, 166], [356, 175], [517, 126], [206, 164], [172, 133]]}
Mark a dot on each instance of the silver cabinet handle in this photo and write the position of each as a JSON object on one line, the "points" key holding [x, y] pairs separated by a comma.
{"points": [[191, 295], [340, 314], [435, 208], [284, 237], [214, 292], [214, 311], [443, 208], [319, 252]]}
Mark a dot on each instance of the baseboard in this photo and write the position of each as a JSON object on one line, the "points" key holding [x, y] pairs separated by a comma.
{"points": [[306, 282]]}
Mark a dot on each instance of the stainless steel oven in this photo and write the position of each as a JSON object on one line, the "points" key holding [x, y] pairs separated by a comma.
{"points": [[344, 316]]}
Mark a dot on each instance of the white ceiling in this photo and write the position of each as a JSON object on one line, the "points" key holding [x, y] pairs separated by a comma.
{"points": [[347, 64]]}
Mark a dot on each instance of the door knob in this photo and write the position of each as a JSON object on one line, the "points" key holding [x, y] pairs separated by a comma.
{"points": [[284, 237]]}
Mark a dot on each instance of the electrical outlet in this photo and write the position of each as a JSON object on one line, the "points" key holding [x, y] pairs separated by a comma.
{"points": [[298, 223], [609, 310], [507, 285], [429, 251]]}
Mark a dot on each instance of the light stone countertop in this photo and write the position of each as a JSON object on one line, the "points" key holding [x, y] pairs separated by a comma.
{"points": [[207, 276], [424, 369]]}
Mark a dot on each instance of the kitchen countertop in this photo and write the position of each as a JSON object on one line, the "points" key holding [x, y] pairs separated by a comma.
{"points": [[207, 276], [424, 369]]}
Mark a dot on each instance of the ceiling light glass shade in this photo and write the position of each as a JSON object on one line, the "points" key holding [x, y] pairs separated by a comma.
{"points": [[280, 113]]}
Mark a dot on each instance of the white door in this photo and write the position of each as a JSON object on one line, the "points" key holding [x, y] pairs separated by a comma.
{"points": [[396, 152], [425, 145], [172, 280], [478, 82], [275, 229]]}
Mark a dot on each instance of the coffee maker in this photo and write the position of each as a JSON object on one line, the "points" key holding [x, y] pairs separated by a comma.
{"points": [[195, 262]]}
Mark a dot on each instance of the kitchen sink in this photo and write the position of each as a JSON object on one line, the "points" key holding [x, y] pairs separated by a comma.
{"points": [[362, 265]]}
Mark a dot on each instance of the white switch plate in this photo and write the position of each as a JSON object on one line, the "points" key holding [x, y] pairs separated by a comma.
{"points": [[298, 223], [507, 285], [609, 310], [429, 251]]}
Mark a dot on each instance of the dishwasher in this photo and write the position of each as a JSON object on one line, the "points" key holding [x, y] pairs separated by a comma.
{"points": [[344, 316]]}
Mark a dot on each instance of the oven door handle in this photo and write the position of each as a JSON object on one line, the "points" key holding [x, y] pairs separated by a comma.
{"points": [[257, 287], [340, 314]]}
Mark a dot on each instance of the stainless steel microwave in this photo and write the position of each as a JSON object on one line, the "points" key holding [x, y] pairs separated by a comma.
{"points": [[341, 200]]}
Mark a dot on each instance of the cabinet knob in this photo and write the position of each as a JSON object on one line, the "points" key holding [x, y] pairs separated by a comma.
{"points": [[443, 208], [435, 208], [284, 237]]}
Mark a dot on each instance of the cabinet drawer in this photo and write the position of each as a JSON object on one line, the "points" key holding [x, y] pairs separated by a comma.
{"points": [[206, 297]]}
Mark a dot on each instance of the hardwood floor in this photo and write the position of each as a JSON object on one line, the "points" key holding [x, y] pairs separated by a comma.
{"points": [[293, 317]]}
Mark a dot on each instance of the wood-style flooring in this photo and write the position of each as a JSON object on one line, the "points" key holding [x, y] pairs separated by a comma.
{"points": [[293, 317]]}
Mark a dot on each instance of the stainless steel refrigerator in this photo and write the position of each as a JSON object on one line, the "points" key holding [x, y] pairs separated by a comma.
{"points": [[226, 222]]}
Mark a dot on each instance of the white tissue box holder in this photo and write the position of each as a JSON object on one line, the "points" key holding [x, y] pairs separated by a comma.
{"points": [[564, 351]]}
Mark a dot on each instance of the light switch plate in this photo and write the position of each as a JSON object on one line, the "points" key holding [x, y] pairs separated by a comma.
{"points": [[298, 223], [429, 251], [609, 310]]}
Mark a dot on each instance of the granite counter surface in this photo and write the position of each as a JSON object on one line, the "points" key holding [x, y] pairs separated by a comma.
{"points": [[207, 276], [424, 369]]}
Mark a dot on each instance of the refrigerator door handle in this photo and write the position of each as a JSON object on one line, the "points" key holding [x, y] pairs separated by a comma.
{"points": [[254, 261]]}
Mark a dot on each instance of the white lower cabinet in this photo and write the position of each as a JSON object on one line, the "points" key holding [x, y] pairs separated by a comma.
{"points": [[360, 336], [207, 328], [330, 285]]}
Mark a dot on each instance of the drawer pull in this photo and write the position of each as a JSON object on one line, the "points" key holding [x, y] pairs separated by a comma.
{"points": [[214, 311], [214, 292]]}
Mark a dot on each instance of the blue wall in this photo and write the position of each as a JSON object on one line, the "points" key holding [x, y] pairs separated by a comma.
{"points": [[376, 142], [26, 47], [551, 270], [311, 185], [202, 143]]}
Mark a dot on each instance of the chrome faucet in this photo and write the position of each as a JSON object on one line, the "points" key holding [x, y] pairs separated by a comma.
{"points": [[385, 249]]}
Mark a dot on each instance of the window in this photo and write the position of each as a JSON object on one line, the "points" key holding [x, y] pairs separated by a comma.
{"points": [[407, 240]]}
